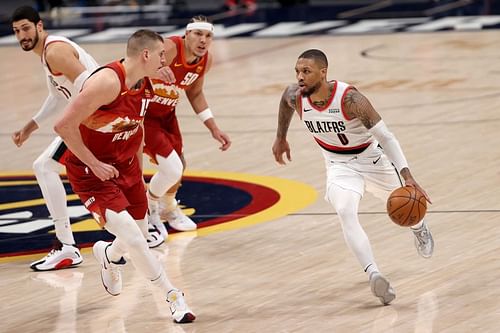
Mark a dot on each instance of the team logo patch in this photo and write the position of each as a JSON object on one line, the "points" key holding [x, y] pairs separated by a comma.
{"points": [[215, 201]]}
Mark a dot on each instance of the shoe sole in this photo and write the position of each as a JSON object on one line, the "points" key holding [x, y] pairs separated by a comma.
{"points": [[425, 256], [182, 228], [187, 318], [65, 263], [152, 245], [380, 289], [106, 288], [155, 245]]}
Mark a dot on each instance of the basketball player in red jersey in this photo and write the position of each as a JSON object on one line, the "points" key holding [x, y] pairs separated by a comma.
{"points": [[189, 61], [66, 66], [102, 127], [358, 150]]}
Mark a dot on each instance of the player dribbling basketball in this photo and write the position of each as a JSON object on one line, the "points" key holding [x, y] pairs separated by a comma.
{"points": [[359, 152]]}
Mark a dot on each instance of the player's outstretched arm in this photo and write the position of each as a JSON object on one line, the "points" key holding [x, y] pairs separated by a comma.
{"points": [[287, 106]]}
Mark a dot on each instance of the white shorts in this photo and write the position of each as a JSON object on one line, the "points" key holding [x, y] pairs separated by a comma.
{"points": [[370, 170], [56, 151]]}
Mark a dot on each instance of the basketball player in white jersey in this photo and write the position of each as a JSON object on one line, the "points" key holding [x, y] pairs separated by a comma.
{"points": [[66, 66], [359, 152]]}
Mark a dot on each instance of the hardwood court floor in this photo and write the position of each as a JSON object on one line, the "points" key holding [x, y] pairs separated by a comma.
{"points": [[438, 93]]}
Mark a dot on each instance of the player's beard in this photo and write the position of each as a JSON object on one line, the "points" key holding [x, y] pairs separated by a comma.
{"points": [[312, 90], [31, 46]]}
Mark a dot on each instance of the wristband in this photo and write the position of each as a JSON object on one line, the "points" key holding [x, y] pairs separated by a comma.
{"points": [[205, 115]]}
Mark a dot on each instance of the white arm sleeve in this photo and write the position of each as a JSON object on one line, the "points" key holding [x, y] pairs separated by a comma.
{"points": [[49, 107], [390, 144], [80, 80]]}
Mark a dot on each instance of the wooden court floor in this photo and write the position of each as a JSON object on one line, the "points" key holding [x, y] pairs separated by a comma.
{"points": [[438, 92]]}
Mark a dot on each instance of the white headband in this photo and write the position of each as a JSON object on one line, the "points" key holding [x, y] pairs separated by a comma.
{"points": [[200, 26]]}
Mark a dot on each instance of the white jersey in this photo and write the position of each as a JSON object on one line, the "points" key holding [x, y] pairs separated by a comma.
{"points": [[58, 84], [338, 136]]}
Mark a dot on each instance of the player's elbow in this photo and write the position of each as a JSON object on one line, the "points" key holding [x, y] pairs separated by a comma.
{"points": [[382, 134], [61, 128]]}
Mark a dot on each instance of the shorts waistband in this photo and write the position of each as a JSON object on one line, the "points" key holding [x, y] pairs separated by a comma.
{"points": [[344, 151]]}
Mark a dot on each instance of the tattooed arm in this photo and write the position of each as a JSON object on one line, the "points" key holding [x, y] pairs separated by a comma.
{"points": [[356, 105], [287, 105]]}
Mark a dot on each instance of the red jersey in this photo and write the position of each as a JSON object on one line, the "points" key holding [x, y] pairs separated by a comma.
{"points": [[113, 133], [167, 95]]}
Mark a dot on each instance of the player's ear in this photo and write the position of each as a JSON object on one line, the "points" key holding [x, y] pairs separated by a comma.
{"points": [[39, 26]]}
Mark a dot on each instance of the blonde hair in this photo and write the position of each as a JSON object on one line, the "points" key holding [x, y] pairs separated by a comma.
{"points": [[142, 39], [199, 18]]}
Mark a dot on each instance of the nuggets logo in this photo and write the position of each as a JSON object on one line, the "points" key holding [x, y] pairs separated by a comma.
{"points": [[215, 201], [165, 94]]}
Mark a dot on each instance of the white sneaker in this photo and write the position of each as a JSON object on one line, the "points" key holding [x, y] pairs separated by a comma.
{"points": [[154, 238], [61, 256], [381, 288], [180, 221], [424, 241], [155, 222], [178, 307], [111, 274]]}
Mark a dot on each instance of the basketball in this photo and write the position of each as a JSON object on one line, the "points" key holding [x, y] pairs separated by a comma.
{"points": [[406, 206]]}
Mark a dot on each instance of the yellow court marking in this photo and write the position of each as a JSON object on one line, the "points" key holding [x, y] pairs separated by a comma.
{"points": [[294, 196], [33, 202]]}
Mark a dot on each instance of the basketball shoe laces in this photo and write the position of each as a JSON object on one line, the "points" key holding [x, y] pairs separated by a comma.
{"points": [[422, 235], [115, 272], [114, 269], [56, 247]]}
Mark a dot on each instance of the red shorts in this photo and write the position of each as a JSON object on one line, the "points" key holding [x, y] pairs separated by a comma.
{"points": [[162, 137], [127, 192]]}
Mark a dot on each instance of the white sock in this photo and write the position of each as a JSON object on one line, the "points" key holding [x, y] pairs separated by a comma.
{"points": [[153, 204], [63, 231], [170, 202], [143, 226], [371, 268], [163, 283], [116, 251], [47, 175]]}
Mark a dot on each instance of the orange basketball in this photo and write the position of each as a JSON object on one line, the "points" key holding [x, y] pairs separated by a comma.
{"points": [[406, 206]]}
